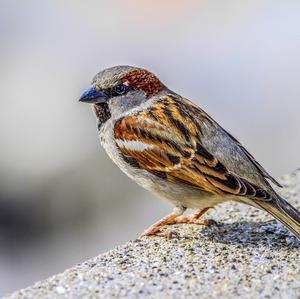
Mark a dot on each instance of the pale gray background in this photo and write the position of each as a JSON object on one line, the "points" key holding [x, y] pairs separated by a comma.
{"points": [[61, 199]]}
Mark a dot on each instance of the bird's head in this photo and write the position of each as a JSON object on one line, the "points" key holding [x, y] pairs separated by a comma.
{"points": [[118, 89]]}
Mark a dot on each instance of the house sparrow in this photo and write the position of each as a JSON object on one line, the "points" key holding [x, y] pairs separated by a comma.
{"points": [[171, 147]]}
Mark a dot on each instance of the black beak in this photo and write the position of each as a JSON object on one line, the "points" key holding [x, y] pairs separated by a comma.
{"points": [[93, 95]]}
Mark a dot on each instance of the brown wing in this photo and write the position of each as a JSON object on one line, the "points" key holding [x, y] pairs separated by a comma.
{"points": [[165, 141], [228, 150]]}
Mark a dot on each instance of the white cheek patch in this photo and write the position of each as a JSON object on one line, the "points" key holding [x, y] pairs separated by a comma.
{"points": [[133, 145]]}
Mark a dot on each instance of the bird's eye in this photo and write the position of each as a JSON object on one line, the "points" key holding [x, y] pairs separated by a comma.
{"points": [[120, 88]]}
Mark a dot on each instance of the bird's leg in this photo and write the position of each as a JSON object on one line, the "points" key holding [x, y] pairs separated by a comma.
{"points": [[194, 218], [155, 229]]}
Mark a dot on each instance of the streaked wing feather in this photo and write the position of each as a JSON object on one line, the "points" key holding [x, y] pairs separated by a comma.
{"points": [[166, 140], [215, 139]]}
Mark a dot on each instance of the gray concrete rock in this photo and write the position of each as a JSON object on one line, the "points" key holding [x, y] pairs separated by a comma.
{"points": [[247, 255]]}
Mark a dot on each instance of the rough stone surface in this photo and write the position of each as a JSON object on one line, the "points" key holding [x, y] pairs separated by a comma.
{"points": [[247, 255]]}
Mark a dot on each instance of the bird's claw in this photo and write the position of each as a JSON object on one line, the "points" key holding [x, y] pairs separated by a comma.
{"points": [[191, 219], [168, 234]]}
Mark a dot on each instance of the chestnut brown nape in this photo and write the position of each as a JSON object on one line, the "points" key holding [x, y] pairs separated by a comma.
{"points": [[145, 80]]}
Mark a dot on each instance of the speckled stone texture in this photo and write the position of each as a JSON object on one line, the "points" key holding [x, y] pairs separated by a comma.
{"points": [[247, 255]]}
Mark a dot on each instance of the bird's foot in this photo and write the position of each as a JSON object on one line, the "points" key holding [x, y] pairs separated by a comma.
{"points": [[164, 233], [194, 218], [153, 230], [191, 219], [156, 228]]}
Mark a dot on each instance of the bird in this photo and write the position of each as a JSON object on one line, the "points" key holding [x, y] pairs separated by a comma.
{"points": [[171, 147]]}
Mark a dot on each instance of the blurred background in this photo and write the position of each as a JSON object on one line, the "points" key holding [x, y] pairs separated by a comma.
{"points": [[61, 199]]}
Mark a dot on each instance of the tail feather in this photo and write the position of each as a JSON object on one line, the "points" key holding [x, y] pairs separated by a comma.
{"points": [[284, 212]]}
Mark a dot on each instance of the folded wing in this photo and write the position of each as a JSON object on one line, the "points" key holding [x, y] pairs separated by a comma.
{"points": [[167, 140]]}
